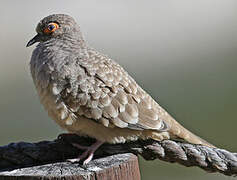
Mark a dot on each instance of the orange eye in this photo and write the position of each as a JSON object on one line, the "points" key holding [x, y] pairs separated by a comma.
{"points": [[51, 28]]}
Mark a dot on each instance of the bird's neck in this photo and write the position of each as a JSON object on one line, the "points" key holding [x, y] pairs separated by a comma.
{"points": [[66, 45], [74, 40]]}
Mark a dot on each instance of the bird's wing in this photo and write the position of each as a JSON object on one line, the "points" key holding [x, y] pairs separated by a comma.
{"points": [[108, 95]]}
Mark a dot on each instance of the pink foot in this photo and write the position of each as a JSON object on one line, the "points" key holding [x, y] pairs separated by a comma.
{"points": [[88, 154]]}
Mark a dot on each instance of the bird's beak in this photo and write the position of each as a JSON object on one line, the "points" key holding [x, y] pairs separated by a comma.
{"points": [[34, 40]]}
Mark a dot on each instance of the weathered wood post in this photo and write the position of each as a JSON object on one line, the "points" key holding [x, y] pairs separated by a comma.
{"points": [[46, 160], [115, 167]]}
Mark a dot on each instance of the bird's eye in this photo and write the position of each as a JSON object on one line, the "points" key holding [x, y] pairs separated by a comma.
{"points": [[51, 28]]}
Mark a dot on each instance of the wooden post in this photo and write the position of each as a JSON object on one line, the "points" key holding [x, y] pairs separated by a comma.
{"points": [[115, 167]]}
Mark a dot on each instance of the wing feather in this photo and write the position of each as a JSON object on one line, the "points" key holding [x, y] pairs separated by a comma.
{"points": [[108, 95]]}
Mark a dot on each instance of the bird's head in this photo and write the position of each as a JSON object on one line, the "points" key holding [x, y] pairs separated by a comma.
{"points": [[55, 26]]}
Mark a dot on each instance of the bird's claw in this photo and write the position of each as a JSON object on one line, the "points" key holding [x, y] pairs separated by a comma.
{"points": [[88, 154]]}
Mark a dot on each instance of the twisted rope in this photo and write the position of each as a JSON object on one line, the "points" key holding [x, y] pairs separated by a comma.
{"points": [[22, 154]]}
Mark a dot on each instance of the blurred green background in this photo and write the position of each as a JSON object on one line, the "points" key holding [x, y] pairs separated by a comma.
{"points": [[182, 52]]}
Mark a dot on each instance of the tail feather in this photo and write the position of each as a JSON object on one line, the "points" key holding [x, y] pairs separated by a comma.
{"points": [[178, 131]]}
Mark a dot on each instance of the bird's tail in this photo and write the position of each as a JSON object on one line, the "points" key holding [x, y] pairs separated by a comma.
{"points": [[177, 131]]}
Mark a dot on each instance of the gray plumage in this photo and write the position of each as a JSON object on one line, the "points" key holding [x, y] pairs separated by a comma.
{"points": [[88, 93]]}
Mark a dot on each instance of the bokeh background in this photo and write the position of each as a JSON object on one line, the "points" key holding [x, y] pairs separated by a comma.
{"points": [[182, 52]]}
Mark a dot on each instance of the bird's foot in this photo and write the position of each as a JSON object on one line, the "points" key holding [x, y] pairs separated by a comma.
{"points": [[88, 154]]}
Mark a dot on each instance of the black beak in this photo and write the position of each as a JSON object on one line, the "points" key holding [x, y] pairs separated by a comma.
{"points": [[34, 40]]}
